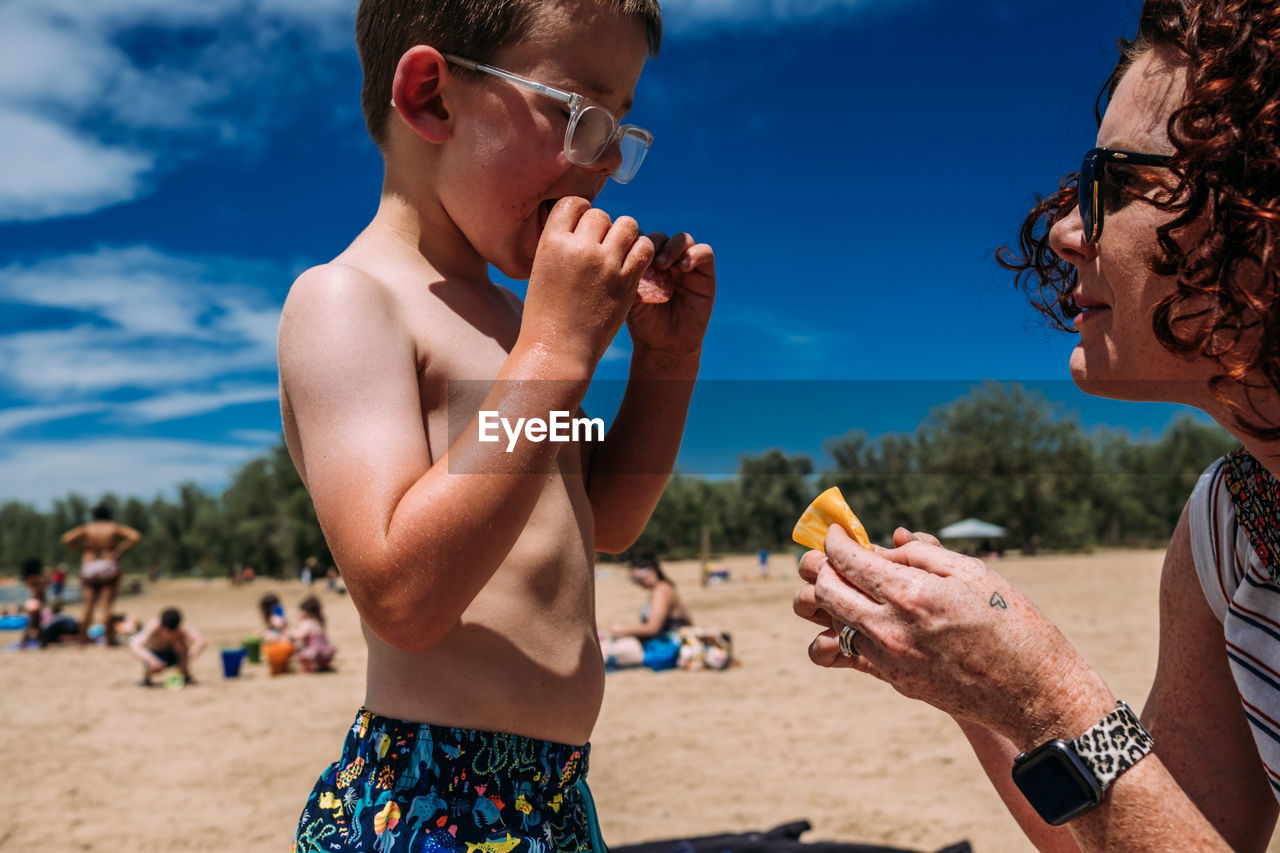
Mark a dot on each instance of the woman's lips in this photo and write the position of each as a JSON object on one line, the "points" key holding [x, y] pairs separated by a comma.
{"points": [[1089, 312]]}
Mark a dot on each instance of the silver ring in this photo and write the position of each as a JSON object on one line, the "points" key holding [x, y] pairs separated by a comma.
{"points": [[847, 633]]}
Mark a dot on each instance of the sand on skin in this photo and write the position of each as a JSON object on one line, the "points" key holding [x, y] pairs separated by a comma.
{"points": [[96, 763]]}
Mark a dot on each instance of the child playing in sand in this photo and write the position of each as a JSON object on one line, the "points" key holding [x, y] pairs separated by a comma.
{"points": [[315, 652], [274, 625], [165, 642], [469, 558]]}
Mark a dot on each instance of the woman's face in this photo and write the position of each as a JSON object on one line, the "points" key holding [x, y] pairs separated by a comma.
{"points": [[645, 577], [1118, 354]]}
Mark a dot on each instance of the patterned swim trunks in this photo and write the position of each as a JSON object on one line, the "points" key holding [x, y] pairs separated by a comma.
{"points": [[420, 788]]}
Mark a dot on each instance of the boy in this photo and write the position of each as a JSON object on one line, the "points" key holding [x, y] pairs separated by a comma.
{"points": [[469, 560], [164, 642]]}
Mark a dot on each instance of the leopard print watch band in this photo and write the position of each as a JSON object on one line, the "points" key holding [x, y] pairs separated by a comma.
{"points": [[1117, 742]]}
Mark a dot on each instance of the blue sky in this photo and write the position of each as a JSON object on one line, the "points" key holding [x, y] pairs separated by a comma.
{"points": [[169, 167]]}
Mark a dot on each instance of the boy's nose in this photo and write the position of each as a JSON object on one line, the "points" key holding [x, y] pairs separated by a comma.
{"points": [[611, 160]]}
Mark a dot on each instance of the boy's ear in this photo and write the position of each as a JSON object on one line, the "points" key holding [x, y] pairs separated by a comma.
{"points": [[417, 92]]}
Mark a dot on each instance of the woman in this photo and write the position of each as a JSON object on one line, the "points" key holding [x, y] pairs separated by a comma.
{"points": [[100, 543], [1162, 256], [653, 640]]}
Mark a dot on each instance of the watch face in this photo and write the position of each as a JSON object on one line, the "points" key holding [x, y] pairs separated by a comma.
{"points": [[1056, 782]]}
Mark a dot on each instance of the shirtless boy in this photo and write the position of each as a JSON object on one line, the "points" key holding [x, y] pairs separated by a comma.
{"points": [[166, 642], [471, 562], [100, 543]]}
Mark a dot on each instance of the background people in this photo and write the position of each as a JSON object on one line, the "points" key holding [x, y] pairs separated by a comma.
{"points": [[274, 624], [46, 624], [315, 651], [100, 543], [661, 618], [166, 641]]}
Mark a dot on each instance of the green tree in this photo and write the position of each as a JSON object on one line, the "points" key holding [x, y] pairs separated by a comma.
{"points": [[774, 489], [1010, 457]]}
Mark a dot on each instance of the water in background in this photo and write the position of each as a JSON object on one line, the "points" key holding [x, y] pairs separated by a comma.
{"points": [[17, 593]]}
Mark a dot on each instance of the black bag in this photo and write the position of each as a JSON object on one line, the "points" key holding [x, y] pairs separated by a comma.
{"points": [[780, 839]]}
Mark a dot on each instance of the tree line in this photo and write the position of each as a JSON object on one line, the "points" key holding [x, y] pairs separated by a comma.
{"points": [[1002, 453], [264, 519]]}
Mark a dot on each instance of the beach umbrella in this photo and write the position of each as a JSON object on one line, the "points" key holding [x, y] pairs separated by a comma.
{"points": [[971, 528]]}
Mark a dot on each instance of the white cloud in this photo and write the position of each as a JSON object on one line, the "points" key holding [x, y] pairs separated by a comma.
{"points": [[50, 170], [184, 404], [12, 420], [69, 89], [38, 472], [150, 322], [153, 339]]}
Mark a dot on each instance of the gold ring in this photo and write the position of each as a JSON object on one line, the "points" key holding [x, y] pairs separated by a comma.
{"points": [[847, 633]]}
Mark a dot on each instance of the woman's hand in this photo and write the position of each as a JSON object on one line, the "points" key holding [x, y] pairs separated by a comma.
{"points": [[943, 628]]}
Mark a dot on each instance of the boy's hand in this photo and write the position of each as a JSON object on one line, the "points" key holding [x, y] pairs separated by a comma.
{"points": [[677, 325], [584, 278]]}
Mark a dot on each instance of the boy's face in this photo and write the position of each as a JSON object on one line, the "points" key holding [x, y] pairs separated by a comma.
{"points": [[507, 167]]}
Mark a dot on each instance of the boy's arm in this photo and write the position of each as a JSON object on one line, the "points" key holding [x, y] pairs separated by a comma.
{"points": [[628, 471], [416, 542], [138, 645], [195, 642]]}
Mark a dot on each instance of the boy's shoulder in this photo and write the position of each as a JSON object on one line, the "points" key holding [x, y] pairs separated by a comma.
{"points": [[337, 301], [335, 281]]}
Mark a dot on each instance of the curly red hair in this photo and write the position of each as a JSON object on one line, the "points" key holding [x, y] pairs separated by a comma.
{"points": [[1227, 142]]}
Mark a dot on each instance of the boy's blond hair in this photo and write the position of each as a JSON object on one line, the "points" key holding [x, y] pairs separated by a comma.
{"points": [[476, 29]]}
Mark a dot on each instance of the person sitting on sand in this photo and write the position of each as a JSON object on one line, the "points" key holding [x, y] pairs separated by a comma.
{"points": [[315, 652], [1175, 295], [661, 619], [46, 624], [165, 642], [100, 543]]}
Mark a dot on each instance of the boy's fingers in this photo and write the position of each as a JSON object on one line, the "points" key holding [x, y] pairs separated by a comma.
{"points": [[622, 236], [594, 225], [659, 240], [566, 213], [638, 259], [701, 255], [673, 249]]}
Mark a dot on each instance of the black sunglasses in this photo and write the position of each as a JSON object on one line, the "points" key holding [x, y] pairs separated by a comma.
{"points": [[1093, 182]]}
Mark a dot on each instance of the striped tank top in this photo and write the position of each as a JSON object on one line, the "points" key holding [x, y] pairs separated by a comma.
{"points": [[1235, 541]]}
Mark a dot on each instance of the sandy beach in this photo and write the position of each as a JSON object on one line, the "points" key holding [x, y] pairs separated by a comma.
{"points": [[97, 763]]}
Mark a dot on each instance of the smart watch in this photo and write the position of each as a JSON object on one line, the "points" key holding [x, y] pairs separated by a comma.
{"points": [[1063, 779]]}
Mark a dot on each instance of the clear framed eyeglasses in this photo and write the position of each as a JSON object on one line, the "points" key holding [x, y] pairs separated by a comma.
{"points": [[593, 130]]}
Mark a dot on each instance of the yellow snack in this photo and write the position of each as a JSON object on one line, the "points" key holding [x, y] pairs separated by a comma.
{"points": [[827, 509]]}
